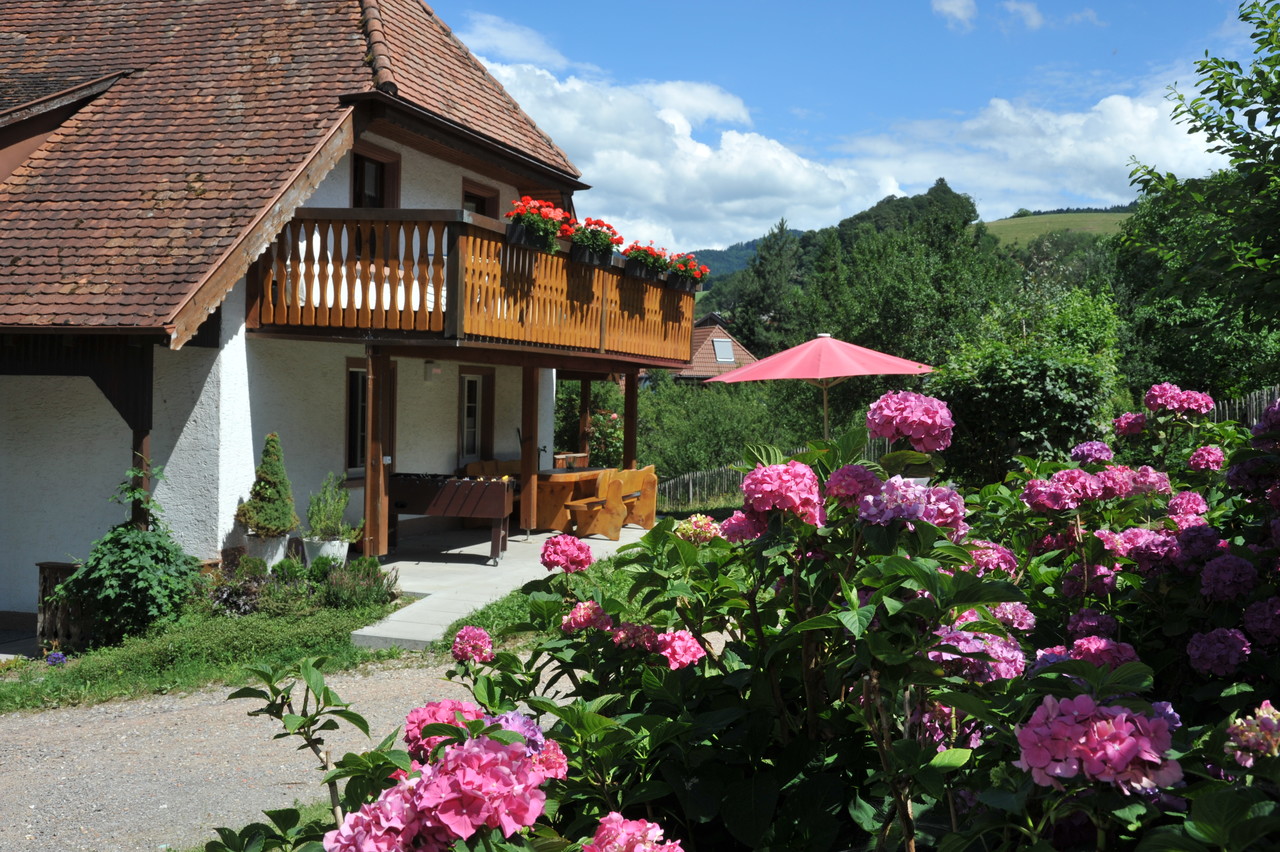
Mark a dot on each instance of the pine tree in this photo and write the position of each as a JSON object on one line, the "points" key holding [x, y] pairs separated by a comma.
{"points": [[269, 509]]}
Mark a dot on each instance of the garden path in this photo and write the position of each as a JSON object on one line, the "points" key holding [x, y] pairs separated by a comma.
{"points": [[162, 772]]}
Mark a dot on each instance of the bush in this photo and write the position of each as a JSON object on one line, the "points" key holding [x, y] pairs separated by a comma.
{"points": [[359, 583], [134, 576]]}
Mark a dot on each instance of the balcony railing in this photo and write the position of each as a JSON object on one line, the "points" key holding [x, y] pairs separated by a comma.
{"points": [[448, 273]]}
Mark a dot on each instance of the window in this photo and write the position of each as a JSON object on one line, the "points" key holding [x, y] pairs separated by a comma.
{"points": [[357, 415], [480, 199], [475, 414], [375, 176], [724, 350]]}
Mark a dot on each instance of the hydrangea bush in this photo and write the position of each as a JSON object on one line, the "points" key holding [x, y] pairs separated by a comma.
{"points": [[1078, 657]]}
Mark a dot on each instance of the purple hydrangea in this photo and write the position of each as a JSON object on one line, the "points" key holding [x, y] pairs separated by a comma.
{"points": [[521, 724], [1199, 544], [1219, 652], [1007, 660], [1262, 620], [56, 658], [1090, 622], [897, 500], [1092, 579], [1091, 452], [1227, 577], [1267, 425]]}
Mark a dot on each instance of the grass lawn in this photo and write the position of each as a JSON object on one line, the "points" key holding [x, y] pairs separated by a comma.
{"points": [[196, 650], [1026, 228]]}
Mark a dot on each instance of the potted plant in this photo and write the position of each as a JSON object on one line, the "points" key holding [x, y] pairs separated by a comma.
{"points": [[686, 272], [268, 513], [329, 534], [537, 224], [593, 241], [646, 261]]}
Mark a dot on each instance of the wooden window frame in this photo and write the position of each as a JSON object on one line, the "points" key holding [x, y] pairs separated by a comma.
{"points": [[487, 195], [487, 397], [390, 161], [358, 365]]}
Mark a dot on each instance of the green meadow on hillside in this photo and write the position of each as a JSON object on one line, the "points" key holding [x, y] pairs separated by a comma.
{"points": [[1025, 228]]}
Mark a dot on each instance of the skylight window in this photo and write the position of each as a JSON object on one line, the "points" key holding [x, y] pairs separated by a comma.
{"points": [[724, 349]]}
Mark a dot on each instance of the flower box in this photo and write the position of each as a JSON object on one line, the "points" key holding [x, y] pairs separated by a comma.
{"points": [[640, 269], [582, 254]]}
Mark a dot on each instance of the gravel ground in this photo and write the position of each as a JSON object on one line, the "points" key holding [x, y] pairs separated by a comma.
{"points": [[162, 772]]}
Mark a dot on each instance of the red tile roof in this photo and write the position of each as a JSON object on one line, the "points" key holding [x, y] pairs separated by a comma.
{"points": [[703, 364], [129, 205]]}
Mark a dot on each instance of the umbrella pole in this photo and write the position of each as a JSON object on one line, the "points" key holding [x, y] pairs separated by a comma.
{"points": [[826, 429]]}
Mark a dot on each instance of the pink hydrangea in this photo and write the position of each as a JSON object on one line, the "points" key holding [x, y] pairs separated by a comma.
{"points": [[1082, 484], [1186, 522], [1046, 495], [924, 421], [1090, 622], [1255, 736], [628, 635], [389, 824], [618, 834], [1007, 660], [550, 760], [790, 487], [481, 783], [1071, 737], [1206, 458], [1262, 621], [1163, 395], [849, 484], [1147, 480], [698, 529], [445, 711], [1150, 550], [1130, 423], [1219, 652], [1115, 480], [584, 615], [1194, 401], [568, 553], [472, 644], [989, 556], [1227, 577], [944, 507], [1091, 452], [1014, 615], [939, 726], [1096, 580], [1187, 503], [743, 526], [680, 648], [1103, 652]]}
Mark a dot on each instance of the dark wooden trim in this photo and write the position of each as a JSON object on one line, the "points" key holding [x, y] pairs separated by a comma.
{"points": [[630, 417], [529, 447], [584, 415], [490, 195], [361, 364], [376, 480]]}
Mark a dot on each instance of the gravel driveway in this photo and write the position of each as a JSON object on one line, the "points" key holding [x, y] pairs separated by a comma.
{"points": [[162, 772]]}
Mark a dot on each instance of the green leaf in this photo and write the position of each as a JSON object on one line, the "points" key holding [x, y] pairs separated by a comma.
{"points": [[748, 807], [292, 722], [353, 718], [952, 758]]}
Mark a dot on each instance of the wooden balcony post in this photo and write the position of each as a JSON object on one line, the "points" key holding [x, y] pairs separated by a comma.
{"points": [[456, 241], [529, 447], [630, 414], [376, 471]]}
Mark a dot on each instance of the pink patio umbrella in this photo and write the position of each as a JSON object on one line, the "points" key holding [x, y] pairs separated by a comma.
{"points": [[824, 362]]}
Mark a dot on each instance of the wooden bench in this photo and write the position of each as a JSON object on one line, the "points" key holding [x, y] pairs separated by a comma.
{"points": [[602, 513], [640, 496]]}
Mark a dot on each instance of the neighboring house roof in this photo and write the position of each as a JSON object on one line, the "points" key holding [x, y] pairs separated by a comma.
{"points": [[713, 347], [143, 201]]}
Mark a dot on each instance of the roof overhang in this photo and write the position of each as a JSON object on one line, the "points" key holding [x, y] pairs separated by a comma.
{"points": [[377, 104], [57, 100]]}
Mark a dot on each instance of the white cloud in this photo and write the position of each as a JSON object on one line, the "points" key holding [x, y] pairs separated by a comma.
{"points": [[1085, 16], [1030, 14], [959, 13], [495, 36]]}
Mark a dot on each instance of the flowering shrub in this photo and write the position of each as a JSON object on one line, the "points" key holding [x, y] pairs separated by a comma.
{"points": [[472, 644], [543, 219], [687, 265], [924, 421], [697, 529], [566, 552], [1060, 660]]}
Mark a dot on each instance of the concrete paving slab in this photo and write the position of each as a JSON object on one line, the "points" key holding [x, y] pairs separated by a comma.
{"points": [[448, 572]]}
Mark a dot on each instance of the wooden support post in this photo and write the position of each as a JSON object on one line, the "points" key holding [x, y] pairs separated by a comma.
{"points": [[529, 447], [141, 461], [631, 410], [584, 416], [377, 503]]}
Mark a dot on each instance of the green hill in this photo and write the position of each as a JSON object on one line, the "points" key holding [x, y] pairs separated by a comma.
{"points": [[1023, 229]]}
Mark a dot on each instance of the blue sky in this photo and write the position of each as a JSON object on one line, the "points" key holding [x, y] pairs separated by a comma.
{"points": [[701, 123]]}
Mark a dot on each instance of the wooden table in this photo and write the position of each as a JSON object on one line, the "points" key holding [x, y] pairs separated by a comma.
{"points": [[557, 487]]}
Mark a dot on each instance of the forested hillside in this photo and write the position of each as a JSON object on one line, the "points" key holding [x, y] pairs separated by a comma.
{"points": [[1036, 345]]}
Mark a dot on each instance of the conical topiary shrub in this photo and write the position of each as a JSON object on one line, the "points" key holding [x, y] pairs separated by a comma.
{"points": [[269, 509]]}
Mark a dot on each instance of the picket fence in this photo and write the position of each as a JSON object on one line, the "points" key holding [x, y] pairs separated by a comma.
{"points": [[724, 484]]}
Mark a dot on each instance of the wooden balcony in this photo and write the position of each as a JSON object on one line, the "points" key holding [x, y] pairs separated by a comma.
{"points": [[451, 274]]}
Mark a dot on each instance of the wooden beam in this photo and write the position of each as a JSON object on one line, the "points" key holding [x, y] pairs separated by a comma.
{"points": [[630, 416], [141, 461], [377, 502], [529, 448]]}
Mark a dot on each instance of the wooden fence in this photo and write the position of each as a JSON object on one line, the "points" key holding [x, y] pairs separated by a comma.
{"points": [[1246, 410], [724, 484]]}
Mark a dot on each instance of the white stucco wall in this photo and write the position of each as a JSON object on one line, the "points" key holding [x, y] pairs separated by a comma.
{"points": [[425, 182]]}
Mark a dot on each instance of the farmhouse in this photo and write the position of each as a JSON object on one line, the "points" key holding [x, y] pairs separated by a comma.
{"points": [[225, 218]]}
